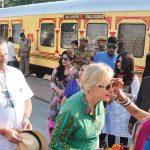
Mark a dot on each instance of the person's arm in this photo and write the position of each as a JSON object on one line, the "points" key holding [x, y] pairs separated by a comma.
{"points": [[131, 108], [65, 125], [126, 102], [53, 85], [29, 47], [19, 49], [53, 76], [63, 99], [10, 134], [27, 112]]}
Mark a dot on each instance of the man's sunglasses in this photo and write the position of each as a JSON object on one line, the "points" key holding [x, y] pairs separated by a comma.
{"points": [[110, 45], [108, 86]]}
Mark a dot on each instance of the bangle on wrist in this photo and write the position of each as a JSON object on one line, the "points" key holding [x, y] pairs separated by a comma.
{"points": [[127, 101], [122, 102]]}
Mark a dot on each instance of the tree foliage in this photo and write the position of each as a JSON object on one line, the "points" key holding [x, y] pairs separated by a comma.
{"points": [[9, 3]]}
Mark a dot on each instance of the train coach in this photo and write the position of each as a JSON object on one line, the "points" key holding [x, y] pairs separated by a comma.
{"points": [[52, 26]]}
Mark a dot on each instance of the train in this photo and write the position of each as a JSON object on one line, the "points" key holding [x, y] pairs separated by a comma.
{"points": [[52, 26]]}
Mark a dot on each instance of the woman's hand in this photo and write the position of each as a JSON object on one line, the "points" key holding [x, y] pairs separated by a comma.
{"points": [[118, 84], [12, 135], [118, 88]]}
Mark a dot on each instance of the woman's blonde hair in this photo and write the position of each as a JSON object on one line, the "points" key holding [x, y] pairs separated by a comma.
{"points": [[95, 74]]}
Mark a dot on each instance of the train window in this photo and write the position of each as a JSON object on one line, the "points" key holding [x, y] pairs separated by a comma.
{"points": [[69, 32], [47, 34], [16, 30], [94, 30], [4, 31], [132, 38]]}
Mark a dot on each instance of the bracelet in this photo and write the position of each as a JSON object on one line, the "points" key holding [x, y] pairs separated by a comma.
{"points": [[128, 104], [125, 100]]}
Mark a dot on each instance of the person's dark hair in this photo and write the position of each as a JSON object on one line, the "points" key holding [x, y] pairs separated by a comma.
{"points": [[10, 39], [60, 70], [113, 39], [74, 42], [127, 66], [22, 34]]}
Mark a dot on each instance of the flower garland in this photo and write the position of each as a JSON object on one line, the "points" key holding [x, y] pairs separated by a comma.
{"points": [[119, 147]]}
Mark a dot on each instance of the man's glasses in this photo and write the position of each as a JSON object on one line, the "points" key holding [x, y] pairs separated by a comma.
{"points": [[65, 59], [111, 45], [108, 86]]}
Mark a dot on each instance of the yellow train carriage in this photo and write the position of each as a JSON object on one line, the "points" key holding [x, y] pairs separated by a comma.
{"points": [[52, 26]]}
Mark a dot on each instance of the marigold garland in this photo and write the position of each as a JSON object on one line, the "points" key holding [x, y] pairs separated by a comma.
{"points": [[117, 147]]}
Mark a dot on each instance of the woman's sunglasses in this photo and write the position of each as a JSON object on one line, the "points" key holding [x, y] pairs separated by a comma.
{"points": [[117, 61], [110, 45], [108, 86], [63, 58]]}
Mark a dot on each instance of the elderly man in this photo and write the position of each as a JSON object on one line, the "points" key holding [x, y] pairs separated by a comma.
{"points": [[82, 53], [15, 103]]}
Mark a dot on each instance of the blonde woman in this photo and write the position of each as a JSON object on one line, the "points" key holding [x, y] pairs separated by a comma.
{"points": [[82, 115]]}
